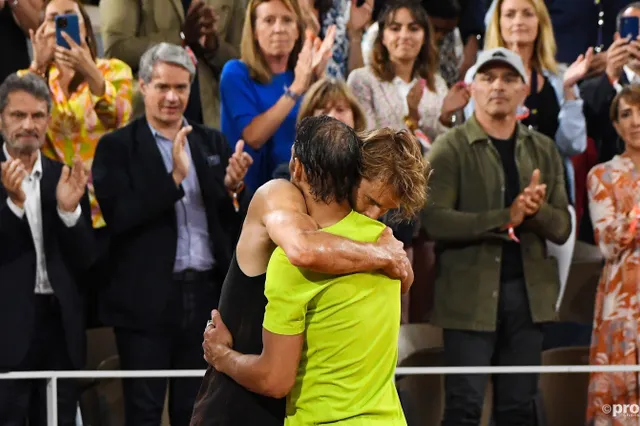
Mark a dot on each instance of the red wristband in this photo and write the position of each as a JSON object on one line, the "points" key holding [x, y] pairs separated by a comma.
{"points": [[512, 234]]}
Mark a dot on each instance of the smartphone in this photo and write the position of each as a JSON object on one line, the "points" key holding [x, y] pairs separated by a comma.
{"points": [[630, 27], [68, 24]]}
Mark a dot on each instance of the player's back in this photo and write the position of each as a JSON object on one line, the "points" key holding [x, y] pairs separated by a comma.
{"points": [[346, 372]]}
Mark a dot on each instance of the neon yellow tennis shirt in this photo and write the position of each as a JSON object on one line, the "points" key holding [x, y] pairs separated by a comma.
{"points": [[351, 324]]}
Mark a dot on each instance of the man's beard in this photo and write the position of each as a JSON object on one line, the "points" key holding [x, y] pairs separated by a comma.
{"points": [[22, 149]]}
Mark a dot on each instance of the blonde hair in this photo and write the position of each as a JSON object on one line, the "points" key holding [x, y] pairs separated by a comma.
{"points": [[544, 56], [327, 91], [250, 52], [395, 158]]}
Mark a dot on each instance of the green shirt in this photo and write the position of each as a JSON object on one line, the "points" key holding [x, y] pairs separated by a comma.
{"points": [[350, 324]]}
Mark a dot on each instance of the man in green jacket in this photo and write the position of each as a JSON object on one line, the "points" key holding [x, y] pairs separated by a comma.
{"points": [[497, 194]]}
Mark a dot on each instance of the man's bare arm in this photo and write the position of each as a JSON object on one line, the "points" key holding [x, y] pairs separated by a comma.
{"points": [[272, 373], [284, 215], [26, 13]]}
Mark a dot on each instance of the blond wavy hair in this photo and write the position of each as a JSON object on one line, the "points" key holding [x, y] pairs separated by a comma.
{"points": [[328, 91], [395, 158], [250, 52], [544, 56]]}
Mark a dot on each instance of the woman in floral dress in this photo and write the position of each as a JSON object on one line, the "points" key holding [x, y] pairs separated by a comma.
{"points": [[614, 202]]}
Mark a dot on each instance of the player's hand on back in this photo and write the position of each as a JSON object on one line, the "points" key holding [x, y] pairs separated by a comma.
{"points": [[397, 261]]}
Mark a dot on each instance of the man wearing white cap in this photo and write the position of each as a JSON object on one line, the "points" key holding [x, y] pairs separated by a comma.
{"points": [[497, 194]]}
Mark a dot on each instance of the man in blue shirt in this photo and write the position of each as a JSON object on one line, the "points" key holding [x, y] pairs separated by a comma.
{"points": [[171, 192]]}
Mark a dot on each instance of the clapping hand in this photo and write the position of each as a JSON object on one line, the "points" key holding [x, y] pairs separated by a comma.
{"points": [[414, 97], [13, 173], [457, 98], [180, 156], [579, 69], [359, 16], [71, 186], [208, 34], [322, 51], [304, 70], [238, 165], [534, 194]]}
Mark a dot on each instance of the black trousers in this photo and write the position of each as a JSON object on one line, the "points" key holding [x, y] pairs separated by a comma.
{"points": [[26, 399], [175, 344], [516, 341]]}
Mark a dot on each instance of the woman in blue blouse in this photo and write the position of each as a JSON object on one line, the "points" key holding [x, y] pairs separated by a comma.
{"points": [[260, 93]]}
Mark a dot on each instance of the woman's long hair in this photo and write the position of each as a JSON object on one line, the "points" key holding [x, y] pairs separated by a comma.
{"points": [[90, 39], [250, 52], [544, 56], [426, 65]]}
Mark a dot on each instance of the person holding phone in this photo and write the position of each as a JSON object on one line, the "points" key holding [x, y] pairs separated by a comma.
{"points": [[91, 97], [623, 68]]}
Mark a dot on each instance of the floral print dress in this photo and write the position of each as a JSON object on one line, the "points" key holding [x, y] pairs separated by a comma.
{"points": [[614, 191], [79, 121]]}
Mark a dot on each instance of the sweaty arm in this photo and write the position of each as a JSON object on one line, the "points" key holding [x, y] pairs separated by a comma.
{"points": [[273, 372], [441, 220], [284, 215]]}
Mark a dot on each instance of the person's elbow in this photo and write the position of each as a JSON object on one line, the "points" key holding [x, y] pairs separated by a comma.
{"points": [[563, 232], [278, 384], [253, 136], [299, 251]]}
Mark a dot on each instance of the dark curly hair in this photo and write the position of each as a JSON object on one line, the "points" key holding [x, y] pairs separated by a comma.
{"points": [[329, 152]]}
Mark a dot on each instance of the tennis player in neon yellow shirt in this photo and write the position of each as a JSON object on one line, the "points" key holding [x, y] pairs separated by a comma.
{"points": [[330, 342], [350, 325]]}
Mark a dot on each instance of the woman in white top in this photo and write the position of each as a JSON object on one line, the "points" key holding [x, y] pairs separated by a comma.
{"points": [[401, 88]]}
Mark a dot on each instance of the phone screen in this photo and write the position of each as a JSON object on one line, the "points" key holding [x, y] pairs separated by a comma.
{"points": [[629, 27], [68, 24]]}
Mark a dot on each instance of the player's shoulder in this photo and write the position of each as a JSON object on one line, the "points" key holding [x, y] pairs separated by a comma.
{"points": [[358, 227]]}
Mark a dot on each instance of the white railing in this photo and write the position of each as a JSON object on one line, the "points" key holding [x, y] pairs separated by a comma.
{"points": [[52, 377]]}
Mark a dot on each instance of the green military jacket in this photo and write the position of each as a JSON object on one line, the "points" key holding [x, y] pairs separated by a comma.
{"points": [[464, 215]]}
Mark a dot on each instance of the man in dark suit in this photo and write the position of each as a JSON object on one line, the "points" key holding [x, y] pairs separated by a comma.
{"points": [[46, 242], [174, 207]]}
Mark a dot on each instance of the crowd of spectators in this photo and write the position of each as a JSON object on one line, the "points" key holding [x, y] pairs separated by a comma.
{"points": [[176, 113]]}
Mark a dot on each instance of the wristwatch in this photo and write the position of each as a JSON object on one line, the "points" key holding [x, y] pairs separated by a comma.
{"points": [[291, 94]]}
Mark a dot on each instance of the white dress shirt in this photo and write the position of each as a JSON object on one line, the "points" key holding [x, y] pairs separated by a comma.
{"points": [[632, 77], [33, 210]]}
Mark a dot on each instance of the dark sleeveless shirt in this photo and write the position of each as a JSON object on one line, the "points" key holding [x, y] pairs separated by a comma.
{"points": [[221, 401]]}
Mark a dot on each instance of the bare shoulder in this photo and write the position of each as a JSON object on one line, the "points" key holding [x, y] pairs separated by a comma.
{"points": [[279, 194]]}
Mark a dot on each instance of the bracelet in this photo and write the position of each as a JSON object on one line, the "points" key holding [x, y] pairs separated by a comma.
{"points": [[234, 196], [411, 123], [32, 69], [291, 94]]}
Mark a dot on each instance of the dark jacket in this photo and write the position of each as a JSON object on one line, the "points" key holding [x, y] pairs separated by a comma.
{"points": [[137, 197], [465, 212], [69, 252]]}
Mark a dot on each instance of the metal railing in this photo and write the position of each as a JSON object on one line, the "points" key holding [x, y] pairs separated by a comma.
{"points": [[52, 377]]}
